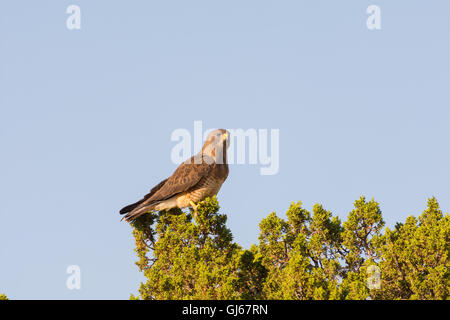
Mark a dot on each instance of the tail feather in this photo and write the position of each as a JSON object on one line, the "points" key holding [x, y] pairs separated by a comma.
{"points": [[133, 206], [130, 207], [139, 211]]}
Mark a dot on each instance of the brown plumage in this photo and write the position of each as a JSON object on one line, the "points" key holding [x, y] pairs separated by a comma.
{"points": [[199, 177]]}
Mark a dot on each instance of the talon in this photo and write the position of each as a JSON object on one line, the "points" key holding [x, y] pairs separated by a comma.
{"points": [[193, 205]]}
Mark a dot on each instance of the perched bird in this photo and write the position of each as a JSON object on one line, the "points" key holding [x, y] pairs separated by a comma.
{"points": [[197, 178]]}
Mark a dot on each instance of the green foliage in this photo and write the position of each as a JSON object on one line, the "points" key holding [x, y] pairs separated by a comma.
{"points": [[192, 258], [415, 261], [306, 256]]}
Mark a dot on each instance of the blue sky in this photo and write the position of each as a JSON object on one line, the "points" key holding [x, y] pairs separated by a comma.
{"points": [[86, 118]]}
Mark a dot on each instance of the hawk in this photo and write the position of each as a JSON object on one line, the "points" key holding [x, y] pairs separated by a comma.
{"points": [[197, 178]]}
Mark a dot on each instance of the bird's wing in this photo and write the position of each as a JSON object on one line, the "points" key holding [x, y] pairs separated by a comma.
{"points": [[147, 196], [185, 177]]}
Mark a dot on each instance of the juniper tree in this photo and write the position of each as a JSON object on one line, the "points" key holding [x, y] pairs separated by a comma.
{"points": [[415, 257], [300, 254], [184, 257], [306, 256]]}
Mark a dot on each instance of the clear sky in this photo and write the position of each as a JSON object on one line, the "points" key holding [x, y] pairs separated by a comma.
{"points": [[86, 118]]}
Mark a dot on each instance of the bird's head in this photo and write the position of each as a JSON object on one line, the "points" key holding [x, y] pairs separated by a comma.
{"points": [[216, 145]]}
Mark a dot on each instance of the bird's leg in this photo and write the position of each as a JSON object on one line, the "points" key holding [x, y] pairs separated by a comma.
{"points": [[194, 206]]}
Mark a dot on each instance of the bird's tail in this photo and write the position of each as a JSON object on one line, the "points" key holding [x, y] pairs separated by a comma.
{"points": [[139, 211]]}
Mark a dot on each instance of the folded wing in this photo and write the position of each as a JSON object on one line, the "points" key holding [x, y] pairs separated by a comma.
{"points": [[185, 177]]}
